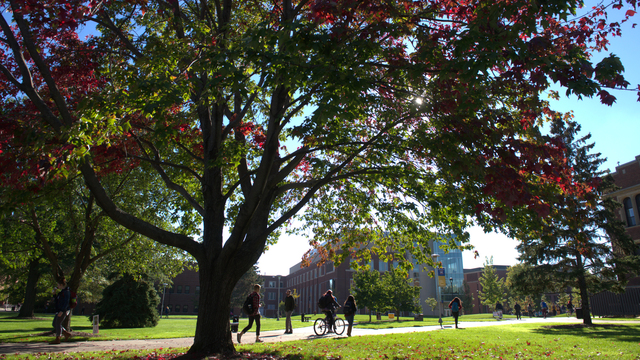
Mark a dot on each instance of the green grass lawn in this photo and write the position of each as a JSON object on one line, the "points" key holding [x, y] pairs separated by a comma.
{"points": [[517, 341], [38, 330], [526, 341]]}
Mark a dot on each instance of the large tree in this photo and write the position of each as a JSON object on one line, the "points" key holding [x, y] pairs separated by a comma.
{"points": [[583, 244], [404, 116]]}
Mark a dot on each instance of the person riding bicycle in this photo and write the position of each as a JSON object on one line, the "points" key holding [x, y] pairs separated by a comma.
{"points": [[327, 304]]}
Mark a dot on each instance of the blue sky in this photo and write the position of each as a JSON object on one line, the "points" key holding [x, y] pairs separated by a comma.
{"points": [[614, 130]]}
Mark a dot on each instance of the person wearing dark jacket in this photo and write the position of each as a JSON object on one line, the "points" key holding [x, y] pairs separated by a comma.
{"points": [[61, 304], [518, 309], [350, 309], [255, 316], [289, 306], [330, 303], [455, 305]]}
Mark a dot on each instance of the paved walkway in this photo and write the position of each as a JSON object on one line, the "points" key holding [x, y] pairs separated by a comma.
{"points": [[305, 333]]}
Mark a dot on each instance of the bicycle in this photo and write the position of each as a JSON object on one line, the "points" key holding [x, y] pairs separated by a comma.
{"points": [[320, 326]]}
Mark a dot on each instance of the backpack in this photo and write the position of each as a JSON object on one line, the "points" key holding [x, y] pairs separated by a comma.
{"points": [[73, 299], [455, 306], [348, 308], [247, 307], [323, 302]]}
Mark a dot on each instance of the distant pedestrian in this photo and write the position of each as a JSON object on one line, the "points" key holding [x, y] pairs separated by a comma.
{"points": [[530, 310], [350, 309], [455, 306], [166, 312], [289, 306], [499, 310], [254, 316], [517, 308], [545, 308], [570, 308], [61, 303]]}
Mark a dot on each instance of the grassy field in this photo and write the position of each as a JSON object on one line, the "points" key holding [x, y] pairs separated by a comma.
{"points": [[517, 341], [526, 341], [38, 330]]}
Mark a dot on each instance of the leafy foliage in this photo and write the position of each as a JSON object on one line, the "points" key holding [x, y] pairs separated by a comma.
{"points": [[245, 286], [574, 248], [128, 303], [367, 290], [374, 121], [492, 288], [399, 292]]}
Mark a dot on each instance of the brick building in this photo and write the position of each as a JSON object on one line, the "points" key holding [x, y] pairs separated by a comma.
{"points": [[472, 278], [182, 297], [310, 282], [627, 178]]}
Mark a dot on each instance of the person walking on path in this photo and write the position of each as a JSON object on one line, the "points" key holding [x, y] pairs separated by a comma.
{"points": [[61, 303], [530, 310], [254, 316], [517, 308], [570, 308], [499, 310], [350, 309], [289, 306], [545, 308], [455, 306]]}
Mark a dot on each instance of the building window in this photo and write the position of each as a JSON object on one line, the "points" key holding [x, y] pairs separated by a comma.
{"points": [[187, 288], [195, 308], [628, 210], [171, 290], [383, 266], [197, 290], [179, 289], [185, 308], [272, 284], [638, 203], [177, 308], [272, 296], [271, 307]]}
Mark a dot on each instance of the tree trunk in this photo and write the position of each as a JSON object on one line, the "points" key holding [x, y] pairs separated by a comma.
{"points": [[584, 293], [27, 308], [213, 332]]}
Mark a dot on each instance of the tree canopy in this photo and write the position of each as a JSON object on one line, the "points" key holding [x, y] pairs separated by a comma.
{"points": [[374, 121], [492, 288], [575, 247]]}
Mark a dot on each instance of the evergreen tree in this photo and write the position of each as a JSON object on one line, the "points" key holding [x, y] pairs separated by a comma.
{"points": [[575, 244], [245, 286], [467, 299], [128, 303], [492, 289]]}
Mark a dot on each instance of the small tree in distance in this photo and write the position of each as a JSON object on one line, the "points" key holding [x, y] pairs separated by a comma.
{"points": [[128, 303], [492, 288], [367, 290]]}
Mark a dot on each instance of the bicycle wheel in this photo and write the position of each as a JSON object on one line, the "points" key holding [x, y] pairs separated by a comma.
{"points": [[319, 327], [339, 326]]}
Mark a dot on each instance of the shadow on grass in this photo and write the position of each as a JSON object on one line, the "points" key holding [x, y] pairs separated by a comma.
{"points": [[602, 331]]}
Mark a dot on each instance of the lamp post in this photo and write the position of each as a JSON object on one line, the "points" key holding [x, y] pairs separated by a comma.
{"points": [[278, 303], [162, 305], [435, 260]]}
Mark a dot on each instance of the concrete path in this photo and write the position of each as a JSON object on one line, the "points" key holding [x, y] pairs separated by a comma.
{"points": [[268, 336]]}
